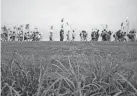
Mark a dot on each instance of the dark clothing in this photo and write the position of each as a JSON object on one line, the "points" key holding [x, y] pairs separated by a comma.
{"points": [[61, 35], [50, 38]]}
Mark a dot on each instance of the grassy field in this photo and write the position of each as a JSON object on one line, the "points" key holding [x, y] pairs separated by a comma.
{"points": [[69, 68]]}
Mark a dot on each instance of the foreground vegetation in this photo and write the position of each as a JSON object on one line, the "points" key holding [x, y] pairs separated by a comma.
{"points": [[69, 71]]}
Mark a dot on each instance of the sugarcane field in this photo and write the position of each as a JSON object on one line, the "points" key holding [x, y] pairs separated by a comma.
{"points": [[68, 48]]}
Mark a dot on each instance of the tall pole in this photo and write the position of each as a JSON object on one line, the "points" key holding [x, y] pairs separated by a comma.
{"points": [[62, 23], [26, 29], [8, 34], [107, 27], [127, 24], [16, 32], [121, 26], [22, 32]]}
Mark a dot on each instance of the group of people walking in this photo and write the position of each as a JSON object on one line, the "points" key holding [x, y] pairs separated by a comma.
{"points": [[68, 36], [23, 33], [95, 34], [20, 34], [105, 34]]}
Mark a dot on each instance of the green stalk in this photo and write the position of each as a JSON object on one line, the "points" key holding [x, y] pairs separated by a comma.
{"points": [[12, 89], [79, 88], [10, 63], [127, 82]]}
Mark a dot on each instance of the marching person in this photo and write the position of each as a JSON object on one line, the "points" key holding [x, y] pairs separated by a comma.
{"points": [[28, 36], [13, 36], [93, 35], [81, 36], [10, 35], [62, 31], [73, 35], [68, 38], [103, 35], [85, 35], [50, 36], [61, 34], [25, 36]]}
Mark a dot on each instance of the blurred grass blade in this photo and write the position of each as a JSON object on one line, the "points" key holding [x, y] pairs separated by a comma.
{"points": [[127, 82], [17, 93]]}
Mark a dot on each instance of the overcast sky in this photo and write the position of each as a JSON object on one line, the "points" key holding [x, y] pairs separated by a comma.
{"points": [[80, 14]]}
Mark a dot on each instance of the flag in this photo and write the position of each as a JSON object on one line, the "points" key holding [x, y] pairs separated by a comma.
{"points": [[121, 24], [62, 20]]}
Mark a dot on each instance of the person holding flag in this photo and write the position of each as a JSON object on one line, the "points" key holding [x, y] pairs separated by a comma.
{"points": [[26, 30], [61, 34], [122, 27], [73, 35], [61, 30], [68, 38], [51, 34]]}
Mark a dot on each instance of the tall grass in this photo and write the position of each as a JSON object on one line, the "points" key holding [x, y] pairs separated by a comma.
{"points": [[69, 75]]}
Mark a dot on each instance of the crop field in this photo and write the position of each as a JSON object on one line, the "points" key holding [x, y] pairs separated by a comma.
{"points": [[68, 68]]}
